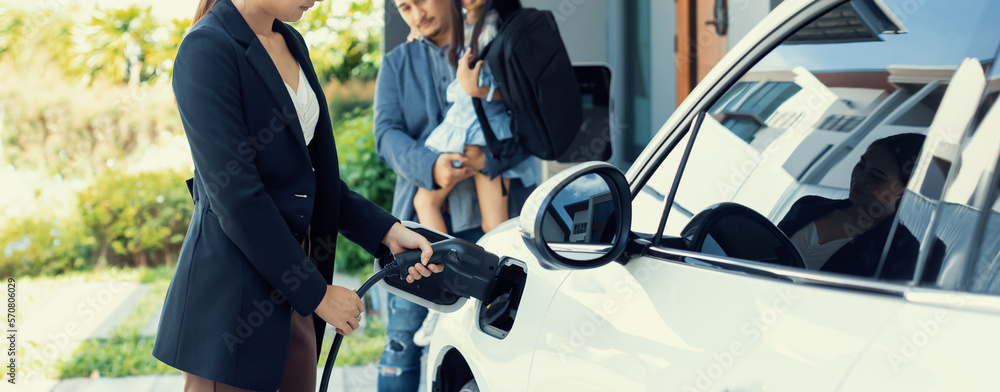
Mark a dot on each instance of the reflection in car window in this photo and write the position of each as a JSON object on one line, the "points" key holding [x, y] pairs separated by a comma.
{"points": [[849, 236], [798, 122], [946, 201], [985, 278], [969, 197]]}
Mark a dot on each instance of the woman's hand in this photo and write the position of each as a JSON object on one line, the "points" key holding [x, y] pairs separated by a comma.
{"points": [[414, 35], [469, 78], [400, 239], [341, 308]]}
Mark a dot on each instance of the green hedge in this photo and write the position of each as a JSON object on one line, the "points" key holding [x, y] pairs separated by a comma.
{"points": [[139, 219], [38, 245], [123, 219], [365, 173], [136, 220]]}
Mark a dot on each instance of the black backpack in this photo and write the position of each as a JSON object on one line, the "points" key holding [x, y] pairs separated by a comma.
{"points": [[537, 84]]}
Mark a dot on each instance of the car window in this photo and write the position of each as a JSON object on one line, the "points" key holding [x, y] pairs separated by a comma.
{"points": [[940, 204], [985, 277], [974, 265], [799, 121]]}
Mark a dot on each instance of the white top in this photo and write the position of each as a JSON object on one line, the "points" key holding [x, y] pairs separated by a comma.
{"points": [[806, 240], [306, 106]]}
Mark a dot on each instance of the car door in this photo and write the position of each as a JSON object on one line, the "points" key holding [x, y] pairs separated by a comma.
{"points": [[788, 114], [948, 323]]}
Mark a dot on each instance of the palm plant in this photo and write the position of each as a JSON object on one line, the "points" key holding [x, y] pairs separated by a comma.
{"points": [[344, 45], [32, 39], [11, 30], [160, 60], [120, 40]]}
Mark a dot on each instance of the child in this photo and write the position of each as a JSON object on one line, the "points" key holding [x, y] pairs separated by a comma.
{"points": [[460, 131]]}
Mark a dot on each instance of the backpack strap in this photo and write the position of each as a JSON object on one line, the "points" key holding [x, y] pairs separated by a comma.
{"points": [[491, 139]]}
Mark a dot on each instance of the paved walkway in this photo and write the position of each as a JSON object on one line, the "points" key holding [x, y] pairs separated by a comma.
{"points": [[347, 379], [83, 311]]}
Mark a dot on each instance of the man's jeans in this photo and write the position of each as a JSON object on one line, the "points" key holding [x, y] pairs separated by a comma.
{"points": [[399, 368]]}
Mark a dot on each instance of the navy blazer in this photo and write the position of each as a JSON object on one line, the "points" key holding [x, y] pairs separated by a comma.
{"points": [[257, 187], [861, 255]]}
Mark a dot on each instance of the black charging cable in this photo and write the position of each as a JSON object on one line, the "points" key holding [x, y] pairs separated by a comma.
{"points": [[470, 273], [391, 270]]}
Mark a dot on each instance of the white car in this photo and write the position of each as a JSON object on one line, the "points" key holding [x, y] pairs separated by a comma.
{"points": [[674, 277]]}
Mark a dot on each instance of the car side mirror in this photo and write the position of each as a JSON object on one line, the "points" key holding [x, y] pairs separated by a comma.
{"points": [[579, 218]]}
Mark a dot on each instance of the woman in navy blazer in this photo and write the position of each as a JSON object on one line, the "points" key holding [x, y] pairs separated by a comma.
{"points": [[257, 261], [856, 229]]}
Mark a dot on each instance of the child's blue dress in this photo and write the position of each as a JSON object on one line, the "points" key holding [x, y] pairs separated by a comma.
{"points": [[461, 126]]}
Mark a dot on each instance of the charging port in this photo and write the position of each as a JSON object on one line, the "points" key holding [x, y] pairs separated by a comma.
{"points": [[496, 315]]}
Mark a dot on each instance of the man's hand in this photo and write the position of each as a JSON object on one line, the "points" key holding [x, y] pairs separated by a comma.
{"points": [[446, 175], [400, 239], [341, 308]]}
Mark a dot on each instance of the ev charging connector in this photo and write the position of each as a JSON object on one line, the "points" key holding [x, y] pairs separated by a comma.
{"points": [[469, 271]]}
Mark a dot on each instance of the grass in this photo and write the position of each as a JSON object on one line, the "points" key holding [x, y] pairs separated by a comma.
{"points": [[361, 348], [128, 354]]}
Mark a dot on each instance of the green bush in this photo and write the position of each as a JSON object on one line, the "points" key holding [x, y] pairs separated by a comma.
{"points": [[40, 245], [136, 219], [139, 219], [122, 219], [353, 48], [346, 99], [365, 173]]}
